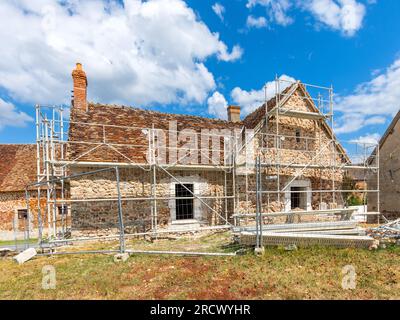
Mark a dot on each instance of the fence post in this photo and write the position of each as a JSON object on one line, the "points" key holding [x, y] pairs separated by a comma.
{"points": [[15, 232], [260, 202], [28, 219], [120, 217], [257, 208], [259, 246]]}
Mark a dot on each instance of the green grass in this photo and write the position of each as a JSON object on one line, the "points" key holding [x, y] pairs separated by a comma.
{"points": [[309, 273], [12, 242]]}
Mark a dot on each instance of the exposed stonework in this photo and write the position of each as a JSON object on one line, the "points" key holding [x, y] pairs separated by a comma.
{"points": [[135, 184], [312, 146], [10, 202], [389, 173]]}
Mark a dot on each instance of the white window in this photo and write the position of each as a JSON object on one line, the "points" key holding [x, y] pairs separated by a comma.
{"points": [[190, 208]]}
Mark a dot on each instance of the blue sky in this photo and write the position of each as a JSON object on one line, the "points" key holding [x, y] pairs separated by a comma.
{"points": [[198, 56]]}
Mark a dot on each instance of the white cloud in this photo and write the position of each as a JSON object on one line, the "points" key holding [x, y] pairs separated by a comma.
{"points": [[372, 102], [138, 53], [381, 95], [224, 55], [343, 15], [375, 120], [253, 22], [217, 105], [276, 10], [370, 139], [10, 116], [352, 122], [248, 100], [219, 10], [251, 100]]}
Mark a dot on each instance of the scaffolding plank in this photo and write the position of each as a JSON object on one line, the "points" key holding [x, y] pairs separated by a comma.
{"points": [[283, 213], [301, 114], [318, 166], [309, 226], [307, 239], [355, 232]]}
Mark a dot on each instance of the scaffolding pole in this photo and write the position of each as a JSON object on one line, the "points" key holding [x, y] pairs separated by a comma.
{"points": [[53, 166]]}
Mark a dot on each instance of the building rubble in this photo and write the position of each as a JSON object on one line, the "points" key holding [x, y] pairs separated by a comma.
{"points": [[389, 232]]}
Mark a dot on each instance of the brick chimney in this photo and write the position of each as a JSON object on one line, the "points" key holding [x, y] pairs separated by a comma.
{"points": [[79, 100], [233, 113]]}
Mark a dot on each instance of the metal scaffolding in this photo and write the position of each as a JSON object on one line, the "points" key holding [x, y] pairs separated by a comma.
{"points": [[57, 171], [274, 171], [266, 162]]}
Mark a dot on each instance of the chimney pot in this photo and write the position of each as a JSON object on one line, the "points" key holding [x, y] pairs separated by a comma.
{"points": [[233, 113]]}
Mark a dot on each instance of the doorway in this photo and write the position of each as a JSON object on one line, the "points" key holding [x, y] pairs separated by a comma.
{"points": [[298, 198], [298, 195]]}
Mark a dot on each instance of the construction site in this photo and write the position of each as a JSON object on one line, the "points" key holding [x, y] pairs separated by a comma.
{"points": [[279, 177]]}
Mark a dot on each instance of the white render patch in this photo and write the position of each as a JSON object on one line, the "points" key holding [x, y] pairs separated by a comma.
{"points": [[301, 184], [199, 186]]}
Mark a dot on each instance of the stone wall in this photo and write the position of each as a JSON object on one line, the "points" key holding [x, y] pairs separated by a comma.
{"points": [[100, 215], [314, 143], [313, 146], [270, 201], [389, 174]]}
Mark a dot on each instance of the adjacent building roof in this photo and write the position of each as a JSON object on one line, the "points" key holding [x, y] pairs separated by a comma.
{"points": [[17, 166], [389, 130], [387, 133]]}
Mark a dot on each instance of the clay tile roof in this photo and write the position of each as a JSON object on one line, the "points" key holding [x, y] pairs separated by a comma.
{"points": [[130, 144], [252, 119], [17, 166], [124, 130]]}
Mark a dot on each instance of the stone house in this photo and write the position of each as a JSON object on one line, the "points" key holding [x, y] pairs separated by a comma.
{"points": [[17, 170], [389, 173], [167, 169]]}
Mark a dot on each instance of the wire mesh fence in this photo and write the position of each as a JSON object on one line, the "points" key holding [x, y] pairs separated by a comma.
{"points": [[118, 209]]}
